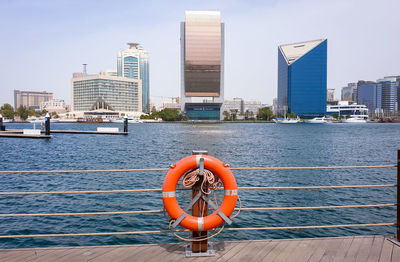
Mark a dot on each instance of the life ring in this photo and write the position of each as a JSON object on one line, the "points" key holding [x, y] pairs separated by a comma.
{"points": [[169, 192]]}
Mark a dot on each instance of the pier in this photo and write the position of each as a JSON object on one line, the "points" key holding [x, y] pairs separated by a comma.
{"points": [[358, 248], [345, 248], [35, 133]]}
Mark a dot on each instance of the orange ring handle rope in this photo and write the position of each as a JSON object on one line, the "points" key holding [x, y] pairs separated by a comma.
{"points": [[217, 217]]}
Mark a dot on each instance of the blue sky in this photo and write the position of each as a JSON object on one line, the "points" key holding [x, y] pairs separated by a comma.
{"points": [[43, 42]]}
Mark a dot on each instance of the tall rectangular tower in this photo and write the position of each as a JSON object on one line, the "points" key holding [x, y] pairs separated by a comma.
{"points": [[202, 65], [134, 63], [302, 70]]}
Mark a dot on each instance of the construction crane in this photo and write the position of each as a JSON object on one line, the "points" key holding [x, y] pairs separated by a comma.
{"points": [[173, 98]]}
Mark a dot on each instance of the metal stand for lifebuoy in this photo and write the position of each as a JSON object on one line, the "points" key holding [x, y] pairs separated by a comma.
{"points": [[199, 248]]}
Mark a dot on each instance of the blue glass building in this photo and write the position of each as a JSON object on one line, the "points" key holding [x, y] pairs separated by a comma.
{"points": [[388, 88], [367, 94], [302, 70], [134, 63]]}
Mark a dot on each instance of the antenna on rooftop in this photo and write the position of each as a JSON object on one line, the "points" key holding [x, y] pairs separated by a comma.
{"points": [[84, 69]]}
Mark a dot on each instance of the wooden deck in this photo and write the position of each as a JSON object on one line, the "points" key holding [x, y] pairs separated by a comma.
{"points": [[360, 248]]}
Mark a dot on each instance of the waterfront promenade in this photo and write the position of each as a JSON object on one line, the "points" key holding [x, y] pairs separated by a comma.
{"points": [[356, 248]]}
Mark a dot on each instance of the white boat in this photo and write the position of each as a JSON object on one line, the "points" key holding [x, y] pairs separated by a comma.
{"points": [[7, 120], [35, 120], [130, 120], [54, 120], [317, 120], [287, 120], [354, 120]]}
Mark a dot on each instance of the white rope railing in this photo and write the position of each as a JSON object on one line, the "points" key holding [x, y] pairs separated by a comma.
{"points": [[160, 211], [166, 169], [160, 189], [186, 230]]}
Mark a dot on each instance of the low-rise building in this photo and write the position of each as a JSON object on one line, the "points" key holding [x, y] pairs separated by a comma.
{"points": [[55, 105], [346, 108], [30, 99]]}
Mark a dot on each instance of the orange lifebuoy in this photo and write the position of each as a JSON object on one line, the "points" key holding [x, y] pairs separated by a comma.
{"points": [[169, 192]]}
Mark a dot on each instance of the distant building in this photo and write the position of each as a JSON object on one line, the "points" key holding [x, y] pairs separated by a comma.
{"points": [[330, 95], [236, 104], [252, 106], [302, 76], [30, 99], [367, 94], [102, 91], [202, 65], [111, 72], [55, 105], [275, 106], [346, 108], [388, 88], [134, 63], [349, 92]]}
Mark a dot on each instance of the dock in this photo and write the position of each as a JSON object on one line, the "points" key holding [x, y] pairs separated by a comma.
{"points": [[20, 135], [355, 248], [18, 132]]}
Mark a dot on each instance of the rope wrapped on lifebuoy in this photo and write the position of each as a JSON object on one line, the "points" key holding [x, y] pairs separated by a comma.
{"points": [[219, 216]]}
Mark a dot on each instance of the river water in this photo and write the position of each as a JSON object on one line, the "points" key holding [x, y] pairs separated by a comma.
{"points": [[159, 145]]}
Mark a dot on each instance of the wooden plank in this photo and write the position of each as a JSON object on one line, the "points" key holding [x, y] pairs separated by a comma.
{"points": [[233, 251], [375, 249], [351, 254], [364, 250], [386, 252], [167, 250], [319, 250], [276, 250], [344, 248], [175, 252], [84, 254], [57, 254], [303, 251], [249, 252], [289, 249], [144, 254], [396, 253], [264, 251], [332, 249], [119, 253], [220, 248], [12, 254]]}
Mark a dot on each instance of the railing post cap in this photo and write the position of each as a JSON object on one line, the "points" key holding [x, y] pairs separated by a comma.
{"points": [[125, 116], [47, 115]]}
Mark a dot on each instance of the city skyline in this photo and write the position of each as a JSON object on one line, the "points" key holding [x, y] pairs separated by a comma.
{"points": [[84, 35]]}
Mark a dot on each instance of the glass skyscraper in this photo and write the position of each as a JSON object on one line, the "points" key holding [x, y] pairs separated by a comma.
{"points": [[134, 63], [388, 87], [302, 70], [367, 94], [202, 65]]}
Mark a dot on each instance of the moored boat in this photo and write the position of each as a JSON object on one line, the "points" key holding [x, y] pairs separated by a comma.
{"points": [[317, 120], [287, 120], [358, 120], [90, 120], [130, 120]]}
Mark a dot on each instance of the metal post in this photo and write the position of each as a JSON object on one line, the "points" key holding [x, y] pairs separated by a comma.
{"points": [[47, 124], [125, 124], [199, 246], [398, 197], [2, 128]]}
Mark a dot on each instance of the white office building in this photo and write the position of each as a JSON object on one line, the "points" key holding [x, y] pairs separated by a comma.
{"points": [[102, 91]]}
